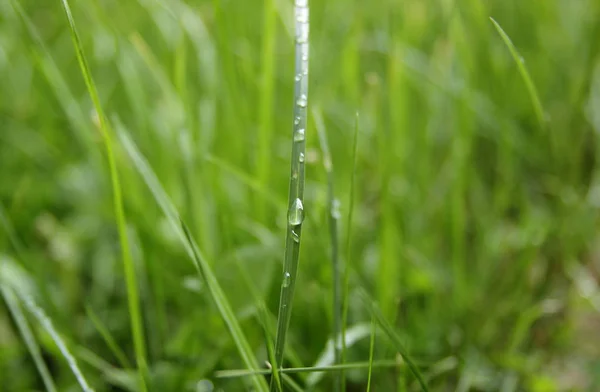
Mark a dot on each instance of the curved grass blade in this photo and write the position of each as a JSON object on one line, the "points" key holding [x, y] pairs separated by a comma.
{"points": [[202, 266], [137, 329], [46, 324], [371, 351], [296, 190], [533, 94], [28, 338], [394, 338]]}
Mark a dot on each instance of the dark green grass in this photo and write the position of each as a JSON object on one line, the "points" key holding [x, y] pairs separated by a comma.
{"points": [[474, 194]]}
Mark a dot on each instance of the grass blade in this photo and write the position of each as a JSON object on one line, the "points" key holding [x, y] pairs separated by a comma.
{"points": [[28, 338], [296, 191], [371, 350], [394, 338], [346, 283], [202, 266], [108, 338], [46, 324], [336, 272], [533, 94]]}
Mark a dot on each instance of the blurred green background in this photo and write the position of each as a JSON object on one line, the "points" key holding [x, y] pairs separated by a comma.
{"points": [[474, 224]]}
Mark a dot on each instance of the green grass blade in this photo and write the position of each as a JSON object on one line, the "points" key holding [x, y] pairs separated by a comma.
{"points": [[262, 311], [346, 283], [108, 338], [394, 338], [336, 272], [130, 278], [200, 263], [371, 351], [296, 190], [533, 94], [28, 338], [47, 325]]}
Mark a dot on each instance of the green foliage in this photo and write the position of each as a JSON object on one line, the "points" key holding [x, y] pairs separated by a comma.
{"points": [[469, 204]]}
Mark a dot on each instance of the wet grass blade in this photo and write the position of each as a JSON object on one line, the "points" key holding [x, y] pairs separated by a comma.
{"points": [[129, 268], [200, 263], [336, 269], [394, 338], [533, 94], [28, 338], [296, 190], [371, 351]]}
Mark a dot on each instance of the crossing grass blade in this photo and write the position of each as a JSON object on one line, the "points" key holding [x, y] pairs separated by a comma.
{"points": [[108, 338], [394, 338], [28, 338], [531, 90], [137, 329], [200, 263]]}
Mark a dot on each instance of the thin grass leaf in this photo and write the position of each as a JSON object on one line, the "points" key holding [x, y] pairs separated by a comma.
{"points": [[394, 338], [346, 283], [47, 325], [312, 369], [137, 329], [533, 94], [371, 351], [108, 338], [336, 269], [296, 190], [202, 266], [262, 312], [28, 338], [289, 381]]}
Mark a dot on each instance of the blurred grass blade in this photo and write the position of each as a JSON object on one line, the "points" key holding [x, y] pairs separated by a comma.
{"points": [[47, 325], [336, 269], [394, 338], [200, 263], [296, 188], [131, 282], [28, 338], [371, 351], [533, 94], [346, 282], [262, 312], [108, 338], [312, 369]]}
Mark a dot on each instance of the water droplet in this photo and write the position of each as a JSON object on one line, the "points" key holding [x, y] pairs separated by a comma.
{"points": [[302, 15], [305, 57], [296, 214], [335, 209], [297, 120], [301, 157], [287, 278], [295, 236], [302, 33], [302, 101], [301, 3], [299, 135], [298, 77]]}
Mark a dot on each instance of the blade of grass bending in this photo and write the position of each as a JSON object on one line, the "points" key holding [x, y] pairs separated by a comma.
{"points": [[28, 338], [311, 369], [108, 338], [395, 339], [202, 266], [336, 273], [296, 190], [533, 94], [262, 314], [371, 351], [47, 325], [130, 278], [346, 283]]}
